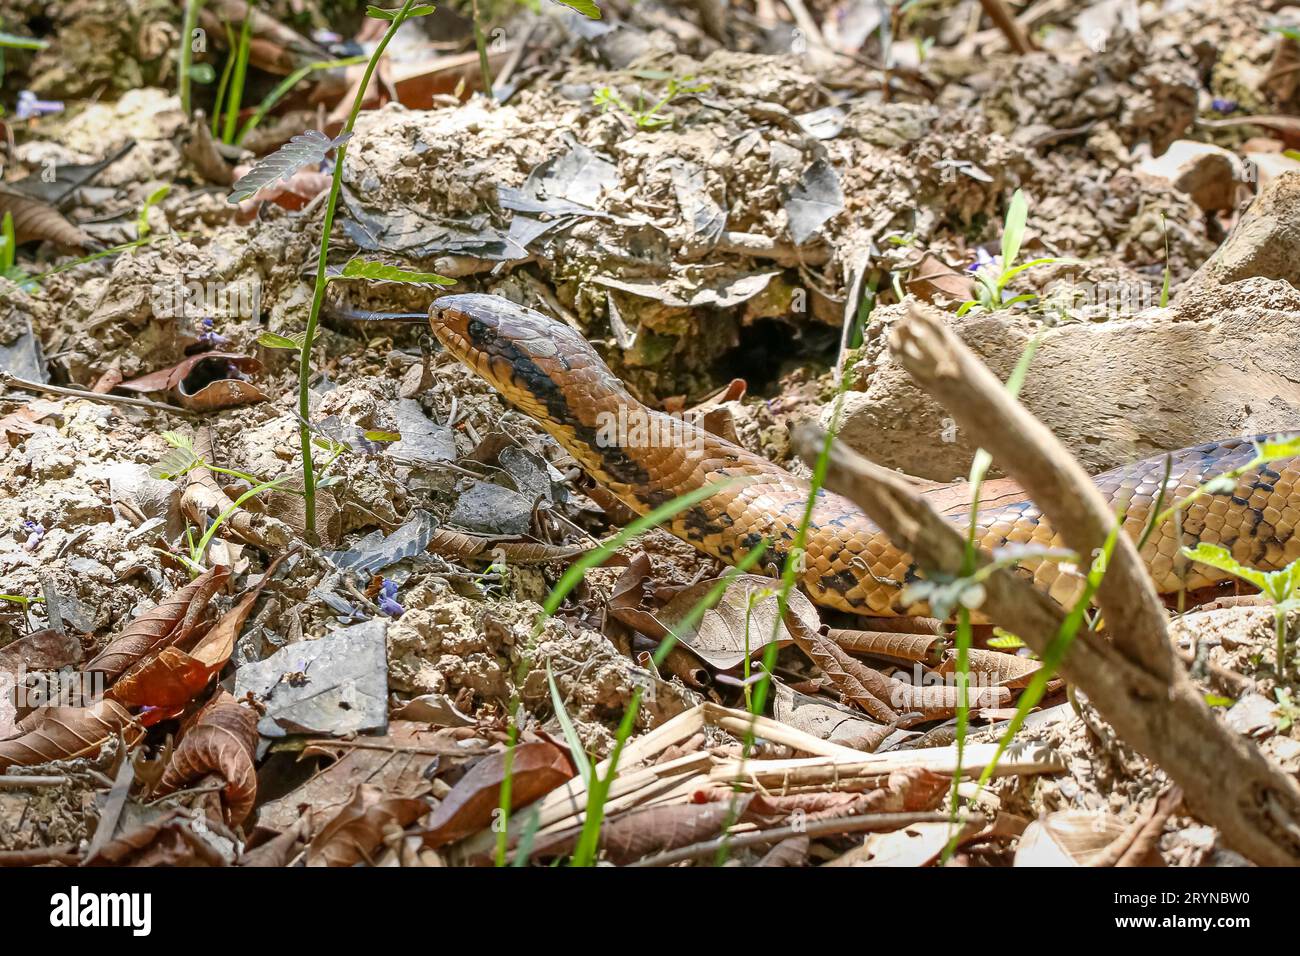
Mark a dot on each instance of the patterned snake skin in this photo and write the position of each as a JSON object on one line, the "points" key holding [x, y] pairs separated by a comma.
{"points": [[548, 371]]}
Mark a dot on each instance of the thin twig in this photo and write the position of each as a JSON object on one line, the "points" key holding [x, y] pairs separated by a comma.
{"points": [[815, 828], [13, 381]]}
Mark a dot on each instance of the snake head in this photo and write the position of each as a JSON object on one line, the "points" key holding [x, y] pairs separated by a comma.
{"points": [[539, 364]]}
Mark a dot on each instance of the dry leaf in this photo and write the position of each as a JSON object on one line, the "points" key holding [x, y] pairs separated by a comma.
{"points": [[927, 648], [62, 733], [173, 677], [223, 740], [932, 276], [1006, 670], [356, 830], [538, 768], [204, 382], [165, 624], [34, 219], [734, 623]]}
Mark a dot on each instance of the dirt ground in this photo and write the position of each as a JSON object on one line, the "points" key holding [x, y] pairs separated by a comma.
{"points": [[708, 192]]}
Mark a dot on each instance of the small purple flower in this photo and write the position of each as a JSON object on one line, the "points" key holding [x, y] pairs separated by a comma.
{"points": [[29, 107], [233, 371], [211, 338], [983, 260], [326, 37], [1222, 105], [388, 599], [35, 532]]}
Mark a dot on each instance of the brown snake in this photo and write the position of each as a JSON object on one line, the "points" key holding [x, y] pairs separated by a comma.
{"points": [[646, 458]]}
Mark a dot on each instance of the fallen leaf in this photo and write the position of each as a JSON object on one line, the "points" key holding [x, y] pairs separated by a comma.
{"points": [[62, 733], [537, 769], [165, 624], [222, 739], [34, 219], [173, 677], [356, 830]]}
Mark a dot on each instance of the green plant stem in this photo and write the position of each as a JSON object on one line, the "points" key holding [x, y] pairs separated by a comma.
{"points": [[318, 295], [481, 43], [288, 83], [588, 844], [201, 548], [224, 82], [238, 78], [187, 54]]}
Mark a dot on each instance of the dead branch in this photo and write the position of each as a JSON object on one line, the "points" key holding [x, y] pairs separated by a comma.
{"points": [[1227, 782]]}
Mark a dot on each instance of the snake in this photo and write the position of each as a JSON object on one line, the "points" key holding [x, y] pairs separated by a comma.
{"points": [[646, 458]]}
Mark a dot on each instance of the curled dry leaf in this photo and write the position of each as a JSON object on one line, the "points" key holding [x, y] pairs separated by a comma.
{"points": [[356, 830], [538, 768], [205, 382], [1007, 670], [62, 733], [165, 624], [927, 648], [34, 219], [222, 739], [173, 677], [860, 684]]}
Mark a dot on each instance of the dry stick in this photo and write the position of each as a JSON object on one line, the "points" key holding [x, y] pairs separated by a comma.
{"points": [[13, 381], [997, 12], [938, 361], [1227, 782], [813, 828]]}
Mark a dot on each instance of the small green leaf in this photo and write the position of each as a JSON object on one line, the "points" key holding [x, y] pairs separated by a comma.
{"points": [[274, 340], [382, 436], [174, 464], [1013, 229], [1221, 558], [202, 73], [1005, 640], [177, 440], [383, 272], [586, 7], [570, 732], [306, 149], [142, 220], [1218, 700], [377, 13]]}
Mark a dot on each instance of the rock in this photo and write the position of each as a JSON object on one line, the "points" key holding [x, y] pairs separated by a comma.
{"points": [[1266, 167], [1209, 174], [1112, 392], [1216, 364], [335, 685], [491, 509], [1264, 244]]}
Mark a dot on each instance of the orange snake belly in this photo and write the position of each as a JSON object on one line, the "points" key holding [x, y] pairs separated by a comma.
{"points": [[646, 458]]}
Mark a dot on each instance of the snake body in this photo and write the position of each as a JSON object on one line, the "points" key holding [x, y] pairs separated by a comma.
{"points": [[646, 458]]}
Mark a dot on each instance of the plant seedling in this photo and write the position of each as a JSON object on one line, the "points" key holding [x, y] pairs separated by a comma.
{"points": [[992, 275], [607, 98], [1282, 587]]}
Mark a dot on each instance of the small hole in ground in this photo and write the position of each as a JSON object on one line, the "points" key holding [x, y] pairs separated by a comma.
{"points": [[770, 348]]}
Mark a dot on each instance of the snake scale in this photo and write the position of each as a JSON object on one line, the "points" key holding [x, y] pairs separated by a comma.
{"points": [[548, 371]]}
